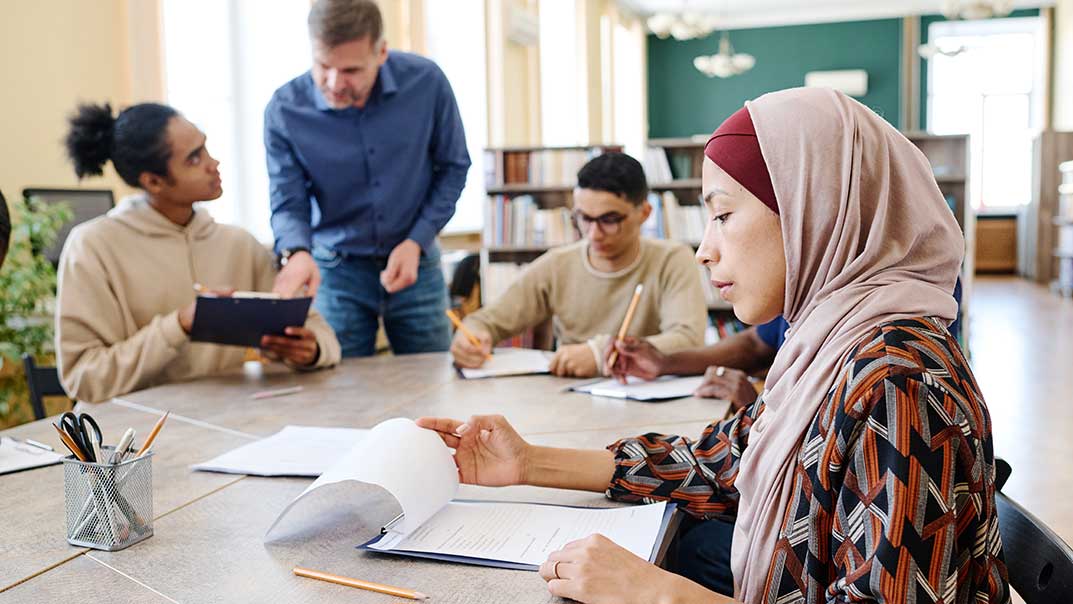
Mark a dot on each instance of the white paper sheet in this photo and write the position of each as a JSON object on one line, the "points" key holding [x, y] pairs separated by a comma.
{"points": [[511, 361], [409, 462], [16, 455], [526, 532], [293, 451], [666, 387]]}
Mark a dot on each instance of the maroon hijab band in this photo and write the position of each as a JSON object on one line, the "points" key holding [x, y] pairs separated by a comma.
{"points": [[735, 149]]}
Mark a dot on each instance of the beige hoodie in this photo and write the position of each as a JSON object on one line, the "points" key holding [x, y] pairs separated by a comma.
{"points": [[123, 279]]}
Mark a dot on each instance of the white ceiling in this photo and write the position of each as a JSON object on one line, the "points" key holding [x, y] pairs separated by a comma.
{"points": [[738, 14]]}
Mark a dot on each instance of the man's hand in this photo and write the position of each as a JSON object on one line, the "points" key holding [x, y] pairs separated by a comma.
{"points": [[300, 271], [299, 346], [574, 360], [401, 271], [465, 353]]}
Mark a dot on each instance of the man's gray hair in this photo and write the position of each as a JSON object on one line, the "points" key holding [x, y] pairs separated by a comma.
{"points": [[335, 22]]}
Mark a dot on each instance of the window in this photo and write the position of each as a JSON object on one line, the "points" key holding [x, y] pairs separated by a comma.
{"points": [[455, 39], [990, 90], [223, 60], [563, 87]]}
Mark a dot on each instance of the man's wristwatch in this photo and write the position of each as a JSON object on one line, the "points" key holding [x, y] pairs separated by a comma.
{"points": [[285, 255]]}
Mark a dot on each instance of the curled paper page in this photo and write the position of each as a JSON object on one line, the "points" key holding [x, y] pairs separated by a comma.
{"points": [[410, 463]]}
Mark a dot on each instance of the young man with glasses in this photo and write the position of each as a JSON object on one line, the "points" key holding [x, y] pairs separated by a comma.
{"points": [[585, 287]]}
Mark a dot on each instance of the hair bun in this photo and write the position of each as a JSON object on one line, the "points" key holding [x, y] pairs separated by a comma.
{"points": [[89, 139]]}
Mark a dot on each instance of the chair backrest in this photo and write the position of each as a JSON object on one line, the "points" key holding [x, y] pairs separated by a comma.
{"points": [[85, 204], [42, 381], [1039, 562]]}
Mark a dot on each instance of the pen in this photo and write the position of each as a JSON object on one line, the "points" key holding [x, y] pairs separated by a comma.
{"points": [[124, 444], [34, 443], [274, 393], [399, 592]]}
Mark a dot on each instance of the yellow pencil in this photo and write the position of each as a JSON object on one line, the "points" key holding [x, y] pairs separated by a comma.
{"points": [[626, 322], [152, 435], [358, 583], [469, 334]]}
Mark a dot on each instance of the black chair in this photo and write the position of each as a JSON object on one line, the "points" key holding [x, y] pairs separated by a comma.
{"points": [[1039, 562], [43, 381], [85, 204]]}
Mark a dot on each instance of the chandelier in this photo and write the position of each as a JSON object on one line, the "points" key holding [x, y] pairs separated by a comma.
{"points": [[726, 62], [685, 26], [976, 9]]}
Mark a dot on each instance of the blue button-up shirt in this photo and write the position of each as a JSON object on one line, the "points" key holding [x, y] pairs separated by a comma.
{"points": [[361, 180]]}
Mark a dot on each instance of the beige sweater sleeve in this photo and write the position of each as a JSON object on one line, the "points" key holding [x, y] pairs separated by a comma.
{"points": [[96, 362], [330, 351], [683, 309], [525, 303]]}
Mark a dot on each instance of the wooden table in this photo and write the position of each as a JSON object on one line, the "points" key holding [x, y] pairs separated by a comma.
{"points": [[209, 528]]}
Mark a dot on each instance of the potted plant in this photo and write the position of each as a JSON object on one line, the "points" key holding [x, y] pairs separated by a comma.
{"points": [[27, 299]]}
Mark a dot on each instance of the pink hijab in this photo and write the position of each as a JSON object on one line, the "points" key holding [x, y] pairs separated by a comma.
{"points": [[869, 239]]}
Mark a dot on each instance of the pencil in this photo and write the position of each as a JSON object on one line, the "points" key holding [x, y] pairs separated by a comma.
{"points": [[626, 322], [70, 444], [152, 434], [358, 583], [469, 334], [278, 392]]}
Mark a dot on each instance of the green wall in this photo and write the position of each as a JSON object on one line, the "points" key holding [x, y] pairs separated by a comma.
{"points": [[682, 101]]}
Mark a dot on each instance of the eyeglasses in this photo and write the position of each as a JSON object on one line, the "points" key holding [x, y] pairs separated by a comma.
{"points": [[609, 223]]}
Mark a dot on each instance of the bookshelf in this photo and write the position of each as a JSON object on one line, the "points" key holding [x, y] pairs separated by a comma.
{"points": [[948, 155], [1063, 225]]}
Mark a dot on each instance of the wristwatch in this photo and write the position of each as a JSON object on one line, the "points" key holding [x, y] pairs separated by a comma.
{"points": [[287, 253]]}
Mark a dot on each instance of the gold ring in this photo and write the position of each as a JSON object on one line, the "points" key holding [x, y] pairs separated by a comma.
{"points": [[719, 372], [555, 570]]}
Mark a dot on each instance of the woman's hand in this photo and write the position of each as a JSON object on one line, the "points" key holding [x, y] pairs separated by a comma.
{"points": [[636, 356], [488, 451], [728, 384], [467, 355], [595, 570]]}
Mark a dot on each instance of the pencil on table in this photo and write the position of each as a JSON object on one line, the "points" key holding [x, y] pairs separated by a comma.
{"points": [[469, 334], [626, 323], [399, 592]]}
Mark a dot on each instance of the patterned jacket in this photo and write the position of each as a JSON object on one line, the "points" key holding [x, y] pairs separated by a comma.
{"points": [[894, 487]]}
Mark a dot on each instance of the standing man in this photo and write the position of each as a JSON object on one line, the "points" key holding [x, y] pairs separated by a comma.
{"points": [[366, 160]]}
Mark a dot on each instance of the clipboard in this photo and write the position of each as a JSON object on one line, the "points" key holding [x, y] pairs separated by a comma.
{"points": [[668, 531], [242, 321]]}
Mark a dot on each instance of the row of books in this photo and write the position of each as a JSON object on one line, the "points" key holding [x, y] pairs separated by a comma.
{"points": [[520, 222], [664, 165], [549, 167], [672, 220]]}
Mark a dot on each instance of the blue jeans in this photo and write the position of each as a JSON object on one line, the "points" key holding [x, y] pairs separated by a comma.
{"points": [[353, 301], [703, 554]]}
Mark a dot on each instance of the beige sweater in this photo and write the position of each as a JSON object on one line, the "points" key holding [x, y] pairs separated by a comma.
{"points": [[589, 306], [123, 279]]}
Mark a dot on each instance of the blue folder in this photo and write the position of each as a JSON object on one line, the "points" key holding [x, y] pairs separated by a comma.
{"points": [[242, 321], [667, 529]]}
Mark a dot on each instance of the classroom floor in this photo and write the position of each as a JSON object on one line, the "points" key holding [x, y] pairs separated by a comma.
{"points": [[1021, 342]]}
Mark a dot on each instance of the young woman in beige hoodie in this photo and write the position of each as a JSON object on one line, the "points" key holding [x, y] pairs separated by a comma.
{"points": [[125, 304]]}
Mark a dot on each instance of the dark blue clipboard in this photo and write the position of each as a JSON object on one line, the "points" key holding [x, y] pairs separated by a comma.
{"points": [[667, 529], [242, 321]]}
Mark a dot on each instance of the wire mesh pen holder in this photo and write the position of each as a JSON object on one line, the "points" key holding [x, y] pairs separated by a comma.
{"points": [[109, 507]]}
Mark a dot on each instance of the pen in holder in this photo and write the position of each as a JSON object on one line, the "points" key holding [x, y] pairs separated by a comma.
{"points": [[109, 506]]}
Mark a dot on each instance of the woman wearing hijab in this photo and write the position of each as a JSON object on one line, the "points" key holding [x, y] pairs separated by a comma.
{"points": [[864, 472]]}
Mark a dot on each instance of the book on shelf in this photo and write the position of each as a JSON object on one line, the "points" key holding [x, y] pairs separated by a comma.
{"points": [[520, 222], [657, 167], [541, 167], [672, 220]]}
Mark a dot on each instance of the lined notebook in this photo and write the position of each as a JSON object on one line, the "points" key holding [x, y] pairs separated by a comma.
{"points": [[511, 361], [660, 389]]}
